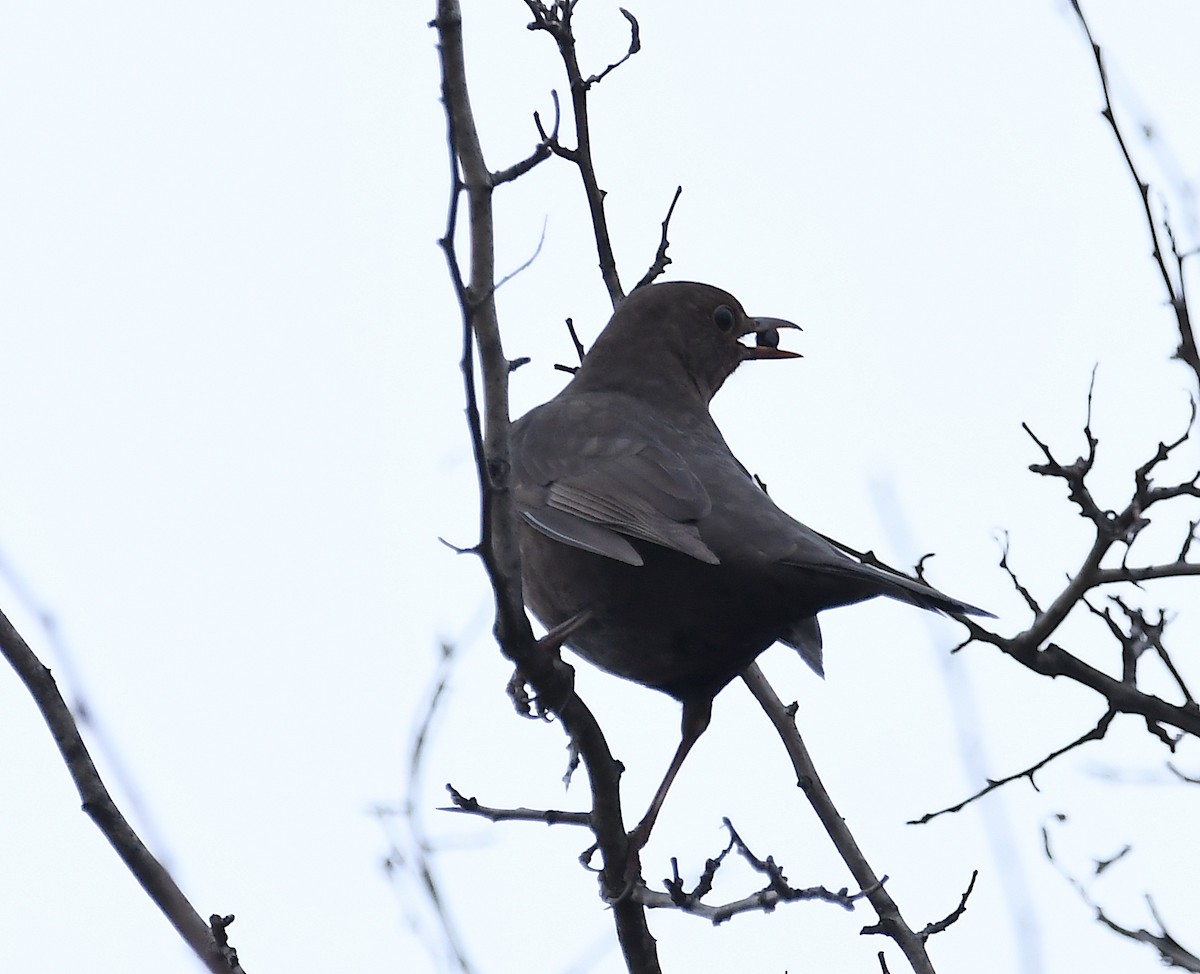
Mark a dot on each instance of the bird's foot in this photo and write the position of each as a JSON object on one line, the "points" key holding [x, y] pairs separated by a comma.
{"points": [[518, 690]]}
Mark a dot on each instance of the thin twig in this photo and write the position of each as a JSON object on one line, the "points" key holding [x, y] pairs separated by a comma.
{"points": [[1095, 734], [1176, 295], [547, 816], [661, 260], [551, 678]]}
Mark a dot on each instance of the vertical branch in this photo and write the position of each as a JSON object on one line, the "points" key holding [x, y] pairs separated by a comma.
{"points": [[1186, 351], [551, 678], [555, 19], [498, 545]]}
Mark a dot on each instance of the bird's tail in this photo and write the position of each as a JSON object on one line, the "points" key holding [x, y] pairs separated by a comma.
{"points": [[916, 593]]}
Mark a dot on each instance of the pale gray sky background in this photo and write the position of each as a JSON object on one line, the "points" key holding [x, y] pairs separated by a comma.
{"points": [[231, 424]]}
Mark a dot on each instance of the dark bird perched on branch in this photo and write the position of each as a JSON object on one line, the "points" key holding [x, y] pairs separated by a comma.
{"points": [[640, 523]]}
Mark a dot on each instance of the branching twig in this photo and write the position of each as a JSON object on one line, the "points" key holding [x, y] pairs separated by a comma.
{"points": [[1169, 949], [1033, 648], [777, 890], [1021, 589], [635, 45]]}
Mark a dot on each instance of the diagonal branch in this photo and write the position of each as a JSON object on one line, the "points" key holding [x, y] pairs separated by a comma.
{"points": [[208, 941], [1095, 734], [891, 922], [1176, 293]]}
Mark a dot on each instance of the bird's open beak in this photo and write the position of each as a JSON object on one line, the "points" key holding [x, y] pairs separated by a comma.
{"points": [[766, 339]]}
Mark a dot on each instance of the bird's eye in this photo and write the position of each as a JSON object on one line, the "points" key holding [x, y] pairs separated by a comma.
{"points": [[723, 318]]}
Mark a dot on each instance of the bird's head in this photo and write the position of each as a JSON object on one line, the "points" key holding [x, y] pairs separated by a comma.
{"points": [[676, 338]]}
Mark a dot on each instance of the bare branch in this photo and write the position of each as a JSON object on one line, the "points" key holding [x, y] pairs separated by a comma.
{"points": [[548, 816], [555, 20], [551, 678], [765, 900], [579, 350], [1170, 951], [1095, 734], [891, 922], [1030, 601], [952, 917], [1176, 295], [635, 45], [211, 946], [661, 260], [542, 151]]}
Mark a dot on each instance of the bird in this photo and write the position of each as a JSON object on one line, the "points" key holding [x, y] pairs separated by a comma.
{"points": [[645, 539]]}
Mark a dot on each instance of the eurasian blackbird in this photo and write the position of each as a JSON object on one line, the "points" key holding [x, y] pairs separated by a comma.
{"points": [[636, 513]]}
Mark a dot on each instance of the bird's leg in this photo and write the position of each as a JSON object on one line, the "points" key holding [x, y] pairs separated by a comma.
{"points": [[696, 715]]}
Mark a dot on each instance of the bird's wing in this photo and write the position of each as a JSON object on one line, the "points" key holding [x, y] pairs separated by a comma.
{"points": [[762, 534], [591, 471]]}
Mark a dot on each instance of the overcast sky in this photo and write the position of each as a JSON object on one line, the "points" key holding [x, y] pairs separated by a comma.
{"points": [[231, 424]]}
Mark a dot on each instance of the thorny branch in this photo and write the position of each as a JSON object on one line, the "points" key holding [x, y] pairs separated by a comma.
{"points": [[1139, 632], [1113, 531], [777, 890]]}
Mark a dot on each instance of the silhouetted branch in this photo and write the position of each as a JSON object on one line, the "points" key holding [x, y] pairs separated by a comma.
{"points": [[1175, 288], [891, 923], [547, 816], [777, 890], [1112, 530], [635, 45], [1095, 734], [661, 260], [207, 940], [541, 666], [1169, 949], [555, 20], [953, 916]]}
